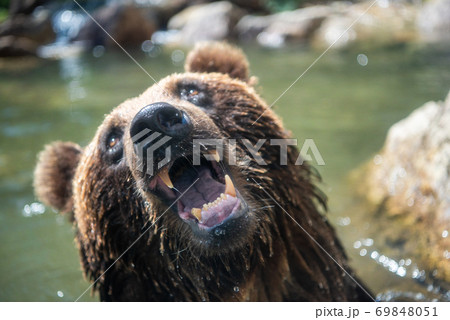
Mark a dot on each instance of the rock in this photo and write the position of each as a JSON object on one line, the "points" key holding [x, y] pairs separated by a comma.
{"points": [[11, 46], [213, 21], [26, 32], [410, 179], [24, 6], [164, 10], [295, 26], [254, 6], [127, 24], [434, 21], [36, 27], [413, 169], [250, 26], [383, 23], [280, 28]]}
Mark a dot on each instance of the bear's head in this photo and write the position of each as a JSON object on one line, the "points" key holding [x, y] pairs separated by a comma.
{"points": [[166, 156], [173, 202]]}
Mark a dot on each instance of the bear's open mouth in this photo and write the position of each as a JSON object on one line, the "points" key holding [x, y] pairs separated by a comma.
{"points": [[209, 196]]}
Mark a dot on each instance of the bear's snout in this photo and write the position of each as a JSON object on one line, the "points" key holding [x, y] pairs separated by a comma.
{"points": [[163, 118], [156, 129]]}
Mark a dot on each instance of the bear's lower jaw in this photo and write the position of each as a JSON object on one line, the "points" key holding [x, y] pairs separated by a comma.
{"points": [[214, 213]]}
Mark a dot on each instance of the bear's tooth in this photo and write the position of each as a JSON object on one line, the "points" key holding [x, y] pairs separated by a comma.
{"points": [[164, 175], [229, 186], [223, 196], [215, 155], [196, 212]]}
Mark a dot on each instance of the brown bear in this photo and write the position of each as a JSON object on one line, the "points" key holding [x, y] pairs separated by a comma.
{"points": [[161, 215]]}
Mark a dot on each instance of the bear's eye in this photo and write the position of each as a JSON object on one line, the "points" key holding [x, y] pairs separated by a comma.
{"points": [[113, 145], [113, 140], [194, 95]]}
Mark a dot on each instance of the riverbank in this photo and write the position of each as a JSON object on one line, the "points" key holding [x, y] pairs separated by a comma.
{"points": [[49, 29]]}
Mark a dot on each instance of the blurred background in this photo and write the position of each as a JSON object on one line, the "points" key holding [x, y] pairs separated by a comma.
{"points": [[388, 193]]}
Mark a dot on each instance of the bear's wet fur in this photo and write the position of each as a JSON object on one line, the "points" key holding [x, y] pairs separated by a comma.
{"points": [[281, 249]]}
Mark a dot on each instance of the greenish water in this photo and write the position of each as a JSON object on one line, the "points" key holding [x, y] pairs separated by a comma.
{"points": [[344, 106]]}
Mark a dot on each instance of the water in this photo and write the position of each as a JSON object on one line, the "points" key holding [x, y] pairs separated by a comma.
{"points": [[346, 103]]}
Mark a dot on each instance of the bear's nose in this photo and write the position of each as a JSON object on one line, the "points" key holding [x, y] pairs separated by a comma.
{"points": [[163, 118]]}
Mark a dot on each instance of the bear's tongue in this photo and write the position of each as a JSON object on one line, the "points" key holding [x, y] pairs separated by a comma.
{"points": [[205, 190], [208, 200]]}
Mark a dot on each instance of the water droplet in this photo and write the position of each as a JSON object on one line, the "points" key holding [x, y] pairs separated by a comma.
{"points": [[393, 266], [362, 59], [357, 244], [374, 254], [401, 272], [363, 252], [445, 234], [60, 294], [236, 289], [147, 46], [177, 56], [377, 159], [420, 296], [98, 51], [219, 232], [344, 221], [33, 209], [66, 16]]}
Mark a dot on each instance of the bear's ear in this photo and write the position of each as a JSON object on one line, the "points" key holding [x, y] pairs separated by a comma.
{"points": [[218, 57], [54, 174]]}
